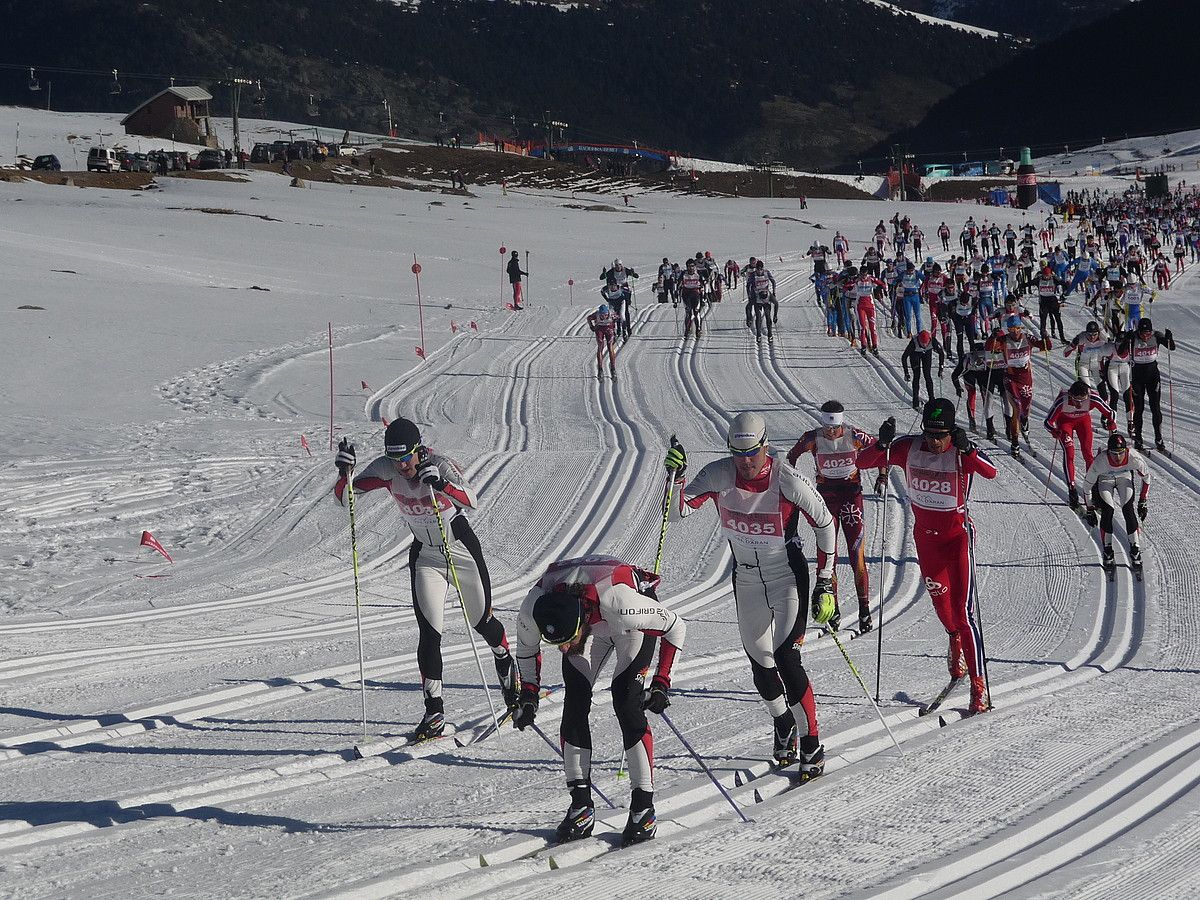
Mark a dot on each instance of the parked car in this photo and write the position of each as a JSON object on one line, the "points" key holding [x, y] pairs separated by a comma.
{"points": [[279, 150], [124, 158], [139, 162], [209, 159], [103, 159], [46, 163], [261, 153], [345, 150]]}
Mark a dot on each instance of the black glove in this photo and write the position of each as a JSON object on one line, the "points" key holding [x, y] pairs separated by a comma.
{"points": [[676, 460], [958, 390], [961, 440], [887, 432], [345, 458], [1143, 510], [880, 483], [1091, 517], [527, 708], [431, 475], [655, 699]]}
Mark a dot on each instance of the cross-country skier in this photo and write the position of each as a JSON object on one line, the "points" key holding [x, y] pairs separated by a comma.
{"points": [[1017, 348], [918, 356], [972, 370], [938, 466], [1109, 484], [691, 289], [759, 500], [417, 477], [514, 279], [864, 287], [1146, 381], [835, 447], [1070, 417], [616, 280], [760, 288], [593, 608], [603, 323], [1092, 354]]}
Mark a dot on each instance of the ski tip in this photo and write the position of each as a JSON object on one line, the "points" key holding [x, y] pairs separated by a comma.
{"points": [[553, 864], [941, 721], [737, 779], [483, 863], [356, 752], [757, 796]]}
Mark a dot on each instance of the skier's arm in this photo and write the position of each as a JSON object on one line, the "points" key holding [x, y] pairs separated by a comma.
{"points": [[692, 495], [956, 375], [976, 462], [627, 610], [1107, 416], [369, 480], [528, 644], [940, 352], [1144, 471], [806, 444], [799, 490], [909, 354], [454, 483]]}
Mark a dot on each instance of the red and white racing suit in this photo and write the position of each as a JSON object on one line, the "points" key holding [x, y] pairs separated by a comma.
{"points": [[622, 618], [864, 290], [1068, 417], [840, 485], [938, 486], [770, 575]]}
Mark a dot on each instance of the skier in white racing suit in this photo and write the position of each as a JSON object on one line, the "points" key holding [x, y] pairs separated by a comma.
{"points": [[594, 608], [413, 474], [760, 499]]}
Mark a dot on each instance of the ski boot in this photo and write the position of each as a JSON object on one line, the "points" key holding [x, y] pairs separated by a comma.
{"points": [[916, 405], [432, 726], [864, 619], [1073, 498], [1137, 443], [785, 740], [599, 373], [1135, 561], [991, 429], [1108, 563], [980, 701], [642, 823], [956, 663], [811, 759], [577, 825], [510, 681], [612, 373], [875, 350], [1015, 450], [1160, 446], [971, 424]]}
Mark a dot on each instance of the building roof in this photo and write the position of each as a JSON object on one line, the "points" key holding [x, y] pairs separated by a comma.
{"points": [[184, 92]]}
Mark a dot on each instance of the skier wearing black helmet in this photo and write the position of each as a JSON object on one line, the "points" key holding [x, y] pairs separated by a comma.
{"points": [[416, 476], [593, 608], [1142, 346]]}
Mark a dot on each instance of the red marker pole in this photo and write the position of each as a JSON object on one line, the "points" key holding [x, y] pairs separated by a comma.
{"points": [[330, 385], [416, 270], [571, 287], [503, 250], [767, 237]]}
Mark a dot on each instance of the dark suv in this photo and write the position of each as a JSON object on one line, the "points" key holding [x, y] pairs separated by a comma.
{"points": [[47, 163]]}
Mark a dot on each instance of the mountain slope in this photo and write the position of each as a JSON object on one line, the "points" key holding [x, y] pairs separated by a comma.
{"points": [[809, 81]]}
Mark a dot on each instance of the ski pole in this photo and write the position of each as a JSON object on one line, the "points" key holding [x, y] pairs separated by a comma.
{"points": [[362, 677], [882, 556], [987, 683], [463, 605], [866, 690], [526, 276], [668, 495], [1050, 471], [537, 729], [1171, 399], [707, 771]]}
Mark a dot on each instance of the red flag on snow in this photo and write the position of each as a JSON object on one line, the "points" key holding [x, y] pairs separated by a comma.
{"points": [[474, 327], [421, 352], [366, 387], [304, 444], [453, 327], [149, 540]]}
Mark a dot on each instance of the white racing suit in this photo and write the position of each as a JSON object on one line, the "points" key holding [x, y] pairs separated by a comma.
{"points": [[431, 578], [770, 575], [1114, 487], [622, 618]]}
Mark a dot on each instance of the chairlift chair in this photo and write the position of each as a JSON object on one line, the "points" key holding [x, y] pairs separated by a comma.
{"points": [[115, 88], [313, 109], [33, 82]]}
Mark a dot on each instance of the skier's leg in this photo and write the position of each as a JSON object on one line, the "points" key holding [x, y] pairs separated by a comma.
{"points": [[580, 671], [789, 597], [429, 589], [475, 582], [1153, 384], [1138, 388], [850, 515], [635, 652], [1107, 508], [927, 369]]}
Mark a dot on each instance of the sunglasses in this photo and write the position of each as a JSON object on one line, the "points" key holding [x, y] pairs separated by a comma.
{"points": [[733, 451], [405, 457]]}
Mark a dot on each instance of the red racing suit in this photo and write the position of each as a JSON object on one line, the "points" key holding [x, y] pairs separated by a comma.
{"points": [[938, 486], [1069, 417]]}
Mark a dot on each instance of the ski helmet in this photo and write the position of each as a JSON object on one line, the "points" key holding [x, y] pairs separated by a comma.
{"points": [[603, 309], [558, 615], [1093, 328], [1145, 326], [923, 338], [1078, 389], [747, 434], [402, 438], [938, 415], [832, 414], [616, 264], [1013, 322]]}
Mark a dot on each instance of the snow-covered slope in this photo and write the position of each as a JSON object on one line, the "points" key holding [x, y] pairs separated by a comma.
{"points": [[192, 734], [1180, 151], [934, 20]]}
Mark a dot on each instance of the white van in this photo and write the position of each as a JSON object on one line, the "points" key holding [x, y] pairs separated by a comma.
{"points": [[103, 159]]}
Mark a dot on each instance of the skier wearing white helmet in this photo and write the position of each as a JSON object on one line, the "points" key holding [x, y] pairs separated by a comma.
{"points": [[760, 499]]}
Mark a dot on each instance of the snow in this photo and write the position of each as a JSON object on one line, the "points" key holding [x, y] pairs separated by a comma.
{"points": [[934, 20], [1179, 150], [192, 734]]}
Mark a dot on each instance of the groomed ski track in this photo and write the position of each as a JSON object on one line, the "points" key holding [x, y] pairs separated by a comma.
{"points": [[1092, 749]]}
